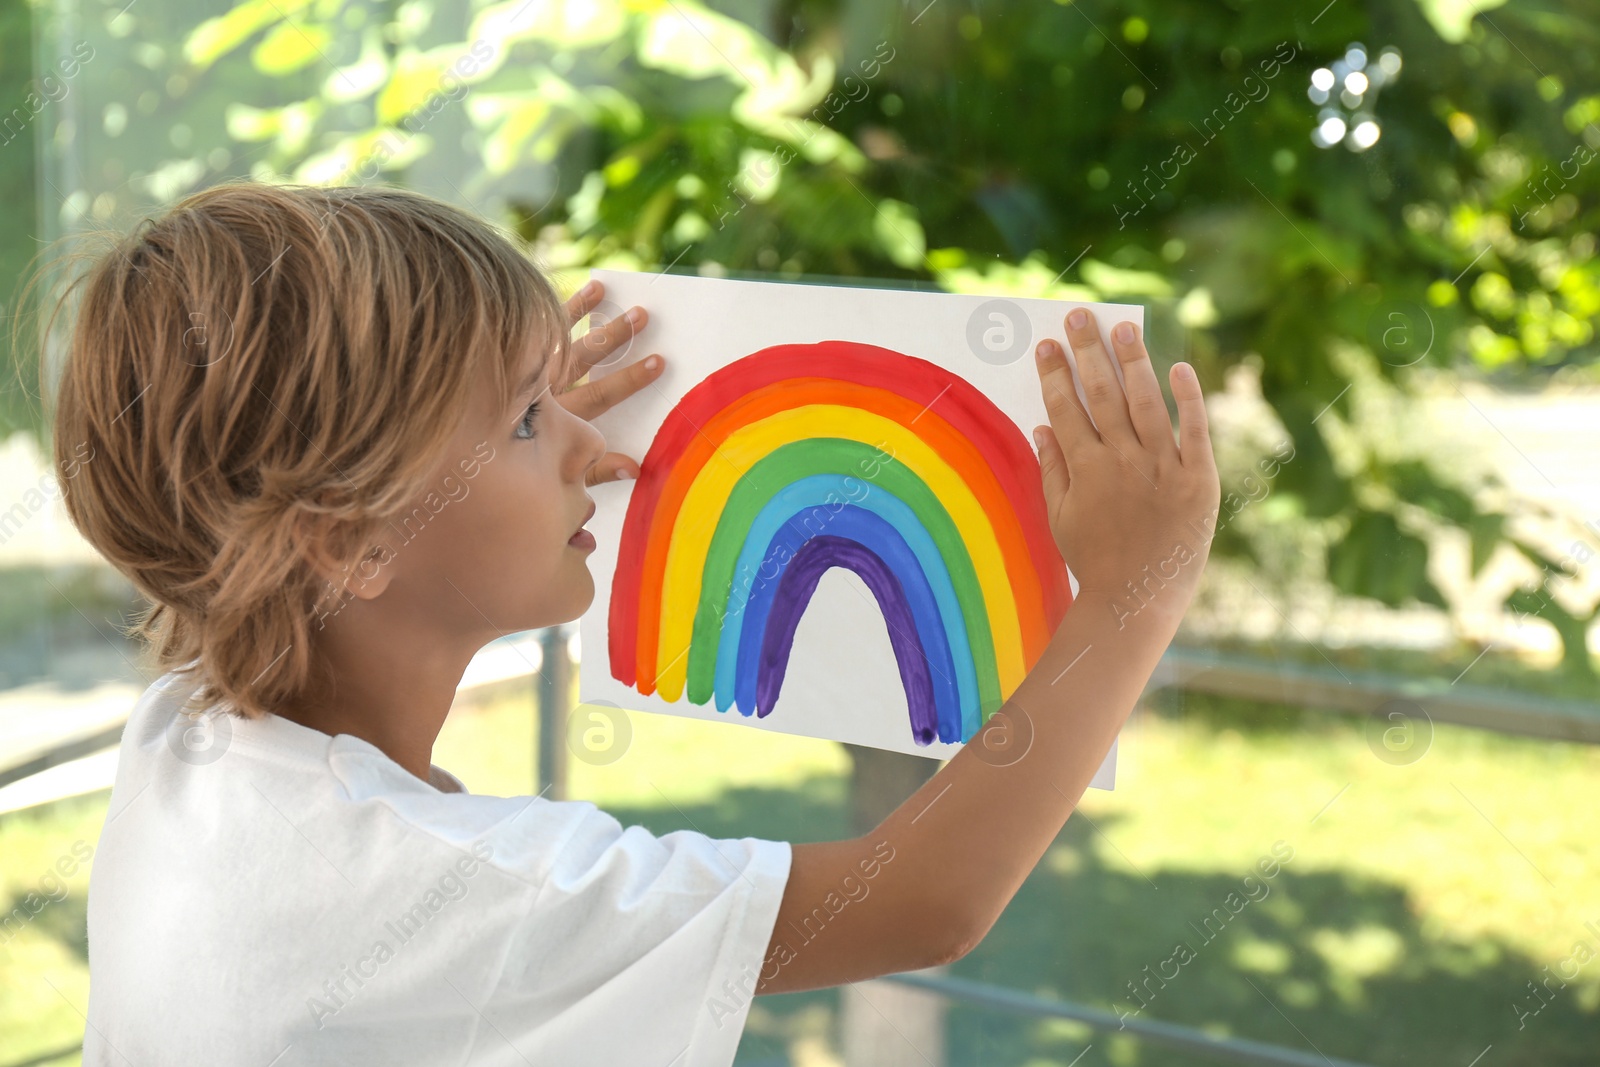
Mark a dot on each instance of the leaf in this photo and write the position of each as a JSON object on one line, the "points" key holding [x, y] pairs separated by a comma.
{"points": [[416, 77], [817, 143], [787, 90], [1032, 277], [1312, 476], [296, 125], [291, 124], [759, 174], [693, 42], [567, 24], [899, 234], [1485, 532], [362, 78], [216, 37], [514, 119], [289, 46], [1527, 601], [1115, 281], [246, 123], [1452, 19], [1377, 559], [362, 157], [1418, 484], [621, 110], [1537, 555]]}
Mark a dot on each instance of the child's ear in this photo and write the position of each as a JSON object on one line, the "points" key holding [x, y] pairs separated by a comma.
{"points": [[366, 579], [370, 577]]}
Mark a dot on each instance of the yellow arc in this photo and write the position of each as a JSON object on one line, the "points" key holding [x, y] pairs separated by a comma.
{"points": [[696, 522]]}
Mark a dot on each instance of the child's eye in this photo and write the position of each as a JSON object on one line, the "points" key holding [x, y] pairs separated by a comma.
{"points": [[527, 422]]}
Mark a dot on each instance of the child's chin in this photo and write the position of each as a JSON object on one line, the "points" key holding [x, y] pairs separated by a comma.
{"points": [[580, 603]]}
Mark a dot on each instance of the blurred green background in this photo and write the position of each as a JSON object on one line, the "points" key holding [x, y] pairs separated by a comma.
{"points": [[1341, 268]]}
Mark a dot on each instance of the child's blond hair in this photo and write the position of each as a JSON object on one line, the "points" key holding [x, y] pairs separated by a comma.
{"points": [[265, 370]]}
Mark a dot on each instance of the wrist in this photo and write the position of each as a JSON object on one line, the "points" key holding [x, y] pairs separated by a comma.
{"points": [[1119, 612]]}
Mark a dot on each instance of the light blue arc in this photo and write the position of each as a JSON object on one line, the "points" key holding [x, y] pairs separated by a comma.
{"points": [[813, 491]]}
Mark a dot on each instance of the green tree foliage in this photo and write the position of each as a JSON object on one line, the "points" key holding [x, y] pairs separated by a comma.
{"points": [[1117, 149], [16, 182]]}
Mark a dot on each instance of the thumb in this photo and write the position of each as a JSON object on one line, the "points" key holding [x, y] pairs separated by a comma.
{"points": [[1052, 465]]}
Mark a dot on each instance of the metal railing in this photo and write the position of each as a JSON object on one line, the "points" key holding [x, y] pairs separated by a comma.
{"points": [[1199, 670], [1169, 1035], [998, 998]]}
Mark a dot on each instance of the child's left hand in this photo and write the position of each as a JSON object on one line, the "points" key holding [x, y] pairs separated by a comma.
{"points": [[590, 399]]}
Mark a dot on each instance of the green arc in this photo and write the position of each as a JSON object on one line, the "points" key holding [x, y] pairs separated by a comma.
{"points": [[840, 456]]}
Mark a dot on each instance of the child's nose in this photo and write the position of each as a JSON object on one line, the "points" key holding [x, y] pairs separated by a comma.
{"points": [[591, 446]]}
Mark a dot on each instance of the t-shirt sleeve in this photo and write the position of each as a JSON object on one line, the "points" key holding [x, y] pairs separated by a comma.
{"points": [[645, 949]]}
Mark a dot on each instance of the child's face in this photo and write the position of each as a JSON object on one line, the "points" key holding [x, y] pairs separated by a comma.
{"points": [[495, 552]]}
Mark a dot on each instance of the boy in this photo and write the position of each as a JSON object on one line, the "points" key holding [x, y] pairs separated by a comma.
{"points": [[333, 437]]}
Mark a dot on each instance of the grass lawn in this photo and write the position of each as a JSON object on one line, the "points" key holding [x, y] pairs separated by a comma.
{"points": [[1418, 903]]}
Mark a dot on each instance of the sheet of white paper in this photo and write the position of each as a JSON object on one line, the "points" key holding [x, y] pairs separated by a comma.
{"points": [[842, 680]]}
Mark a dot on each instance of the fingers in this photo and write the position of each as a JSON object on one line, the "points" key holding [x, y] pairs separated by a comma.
{"points": [[602, 342], [1052, 464], [592, 398], [1194, 427], [611, 467], [1146, 406], [1070, 422], [1108, 404], [583, 302]]}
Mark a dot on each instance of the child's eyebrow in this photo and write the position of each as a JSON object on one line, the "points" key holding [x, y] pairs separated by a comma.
{"points": [[526, 386]]}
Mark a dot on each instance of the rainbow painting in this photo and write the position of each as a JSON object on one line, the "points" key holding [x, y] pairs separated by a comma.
{"points": [[838, 531], [797, 458]]}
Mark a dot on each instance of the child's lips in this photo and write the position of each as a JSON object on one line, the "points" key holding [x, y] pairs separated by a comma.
{"points": [[583, 538]]}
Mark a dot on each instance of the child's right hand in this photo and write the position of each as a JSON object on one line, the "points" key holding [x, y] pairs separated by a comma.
{"points": [[1120, 499], [1126, 497]]}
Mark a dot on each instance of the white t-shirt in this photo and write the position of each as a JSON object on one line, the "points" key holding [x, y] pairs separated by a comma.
{"points": [[264, 894]]}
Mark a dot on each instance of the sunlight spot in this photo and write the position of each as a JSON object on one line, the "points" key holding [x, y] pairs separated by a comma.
{"points": [[1362, 952], [1267, 957], [1064, 860]]}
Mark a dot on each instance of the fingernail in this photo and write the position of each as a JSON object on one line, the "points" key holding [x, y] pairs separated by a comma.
{"points": [[589, 289], [1044, 351], [1184, 370], [1039, 437], [1077, 318], [652, 362], [1124, 332], [625, 475], [635, 315]]}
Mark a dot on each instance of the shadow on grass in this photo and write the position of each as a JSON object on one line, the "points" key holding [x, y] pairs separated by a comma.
{"points": [[1313, 960], [64, 920]]}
